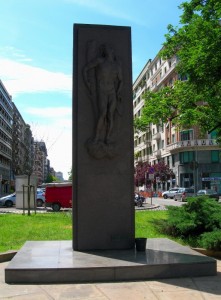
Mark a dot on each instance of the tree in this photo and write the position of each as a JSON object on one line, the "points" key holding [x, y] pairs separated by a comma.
{"points": [[50, 178], [197, 44], [143, 169]]}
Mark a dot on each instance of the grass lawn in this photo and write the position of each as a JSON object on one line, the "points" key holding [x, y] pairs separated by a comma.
{"points": [[16, 229], [147, 224]]}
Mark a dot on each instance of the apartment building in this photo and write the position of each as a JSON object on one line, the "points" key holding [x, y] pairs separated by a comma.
{"points": [[6, 115], [22, 145], [40, 162], [194, 159]]}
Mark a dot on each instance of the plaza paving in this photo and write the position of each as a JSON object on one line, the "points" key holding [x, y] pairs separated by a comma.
{"points": [[208, 287], [203, 288]]}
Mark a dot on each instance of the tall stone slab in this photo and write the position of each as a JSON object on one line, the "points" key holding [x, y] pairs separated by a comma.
{"points": [[103, 203]]}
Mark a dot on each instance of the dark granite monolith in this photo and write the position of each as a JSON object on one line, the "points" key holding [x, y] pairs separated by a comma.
{"points": [[103, 204]]}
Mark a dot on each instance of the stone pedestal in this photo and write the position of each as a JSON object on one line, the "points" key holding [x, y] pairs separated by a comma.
{"points": [[103, 204]]}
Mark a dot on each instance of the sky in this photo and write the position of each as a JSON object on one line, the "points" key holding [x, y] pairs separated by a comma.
{"points": [[36, 46]]}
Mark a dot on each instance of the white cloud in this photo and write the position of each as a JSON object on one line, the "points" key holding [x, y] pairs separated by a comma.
{"points": [[50, 112], [54, 124], [23, 78]]}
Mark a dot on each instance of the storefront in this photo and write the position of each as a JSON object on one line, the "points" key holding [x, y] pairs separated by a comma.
{"points": [[213, 181]]}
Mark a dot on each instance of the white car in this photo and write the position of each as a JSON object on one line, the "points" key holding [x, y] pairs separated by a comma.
{"points": [[8, 201], [170, 194], [40, 197]]}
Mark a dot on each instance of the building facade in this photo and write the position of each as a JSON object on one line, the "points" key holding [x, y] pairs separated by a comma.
{"points": [[6, 116], [59, 176], [194, 159], [40, 169], [22, 145]]}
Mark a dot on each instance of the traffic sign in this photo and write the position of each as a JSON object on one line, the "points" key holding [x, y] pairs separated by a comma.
{"points": [[151, 176], [151, 170]]}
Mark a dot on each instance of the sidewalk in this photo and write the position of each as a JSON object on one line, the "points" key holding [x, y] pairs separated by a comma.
{"points": [[199, 288]]}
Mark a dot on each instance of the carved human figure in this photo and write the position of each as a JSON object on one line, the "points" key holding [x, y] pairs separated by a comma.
{"points": [[108, 86]]}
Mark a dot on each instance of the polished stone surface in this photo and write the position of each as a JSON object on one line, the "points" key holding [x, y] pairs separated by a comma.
{"points": [[103, 138], [56, 262]]}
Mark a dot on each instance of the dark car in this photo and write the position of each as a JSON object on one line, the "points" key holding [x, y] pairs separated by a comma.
{"points": [[183, 193], [209, 193]]}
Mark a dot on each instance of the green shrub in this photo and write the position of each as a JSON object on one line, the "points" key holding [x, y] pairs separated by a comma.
{"points": [[198, 215], [211, 240], [178, 223]]}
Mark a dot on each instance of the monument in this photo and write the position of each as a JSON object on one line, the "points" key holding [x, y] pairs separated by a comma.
{"points": [[103, 204]]}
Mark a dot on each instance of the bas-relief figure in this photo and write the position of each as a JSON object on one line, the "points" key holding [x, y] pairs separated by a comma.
{"points": [[103, 77]]}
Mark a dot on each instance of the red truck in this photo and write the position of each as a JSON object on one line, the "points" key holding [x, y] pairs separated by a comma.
{"points": [[58, 195]]}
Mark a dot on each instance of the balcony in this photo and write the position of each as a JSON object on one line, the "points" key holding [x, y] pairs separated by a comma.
{"points": [[156, 136], [205, 144], [157, 153]]}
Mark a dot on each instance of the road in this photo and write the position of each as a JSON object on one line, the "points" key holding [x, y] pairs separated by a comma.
{"points": [[163, 202], [155, 201]]}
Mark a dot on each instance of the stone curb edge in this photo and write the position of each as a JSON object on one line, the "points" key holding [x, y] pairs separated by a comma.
{"points": [[7, 256]]}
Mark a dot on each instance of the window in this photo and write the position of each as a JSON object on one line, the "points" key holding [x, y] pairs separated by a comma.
{"points": [[186, 157], [215, 156], [186, 135], [182, 77], [213, 134], [186, 179], [173, 138]]}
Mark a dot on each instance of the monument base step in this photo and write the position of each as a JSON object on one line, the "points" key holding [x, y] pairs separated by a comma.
{"points": [[56, 262]]}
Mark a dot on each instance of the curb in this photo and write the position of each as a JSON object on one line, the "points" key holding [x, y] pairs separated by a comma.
{"points": [[147, 207], [211, 253], [7, 256]]}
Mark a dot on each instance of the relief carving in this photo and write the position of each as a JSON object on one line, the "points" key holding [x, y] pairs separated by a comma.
{"points": [[103, 78]]}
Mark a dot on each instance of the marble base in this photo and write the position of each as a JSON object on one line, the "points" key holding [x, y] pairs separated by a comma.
{"points": [[56, 262]]}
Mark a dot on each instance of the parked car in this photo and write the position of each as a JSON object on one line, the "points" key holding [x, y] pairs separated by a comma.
{"points": [[183, 193], [209, 193], [170, 194], [40, 197], [8, 201]]}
